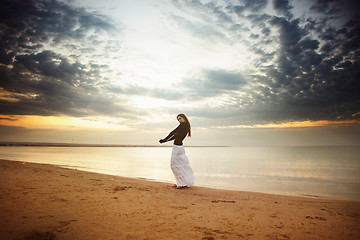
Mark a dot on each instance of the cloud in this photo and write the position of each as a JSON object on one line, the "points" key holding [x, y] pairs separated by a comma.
{"points": [[336, 8], [316, 84], [30, 24], [296, 68], [306, 68], [199, 29], [206, 83], [45, 82], [8, 118], [290, 34], [211, 83], [222, 80], [50, 85], [283, 6], [171, 94], [255, 5]]}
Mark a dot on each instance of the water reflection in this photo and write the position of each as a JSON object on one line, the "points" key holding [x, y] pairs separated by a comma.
{"points": [[325, 171]]}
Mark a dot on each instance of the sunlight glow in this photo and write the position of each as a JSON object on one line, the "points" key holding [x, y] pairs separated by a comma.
{"points": [[46, 122], [154, 57], [149, 102], [296, 124]]}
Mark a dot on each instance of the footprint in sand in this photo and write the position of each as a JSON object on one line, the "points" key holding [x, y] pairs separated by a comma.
{"points": [[62, 227], [222, 201], [318, 218]]}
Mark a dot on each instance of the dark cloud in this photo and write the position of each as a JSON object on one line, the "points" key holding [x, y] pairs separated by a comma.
{"points": [[47, 84], [255, 5], [317, 83], [309, 44], [27, 25], [8, 118], [312, 74], [290, 34], [282, 5], [336, 7], [212, 82], [237, 9], [42, 81], [222, 80]]}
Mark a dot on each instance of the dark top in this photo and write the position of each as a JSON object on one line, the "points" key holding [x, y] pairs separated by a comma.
{"points": [[178, 134]]}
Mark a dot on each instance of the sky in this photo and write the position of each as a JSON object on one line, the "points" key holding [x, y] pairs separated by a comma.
{"points": [[245, 72]]}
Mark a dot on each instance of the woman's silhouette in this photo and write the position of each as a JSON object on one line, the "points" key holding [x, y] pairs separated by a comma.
{"points": [[179, 162]]}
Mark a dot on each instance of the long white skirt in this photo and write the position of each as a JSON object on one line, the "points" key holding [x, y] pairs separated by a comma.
{"points": [[181, 167]]}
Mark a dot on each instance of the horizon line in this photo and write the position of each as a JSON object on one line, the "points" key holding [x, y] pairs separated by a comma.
{"points": [[62, 144]]}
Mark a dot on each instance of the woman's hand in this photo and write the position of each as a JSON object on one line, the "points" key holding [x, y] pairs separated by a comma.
{"points": [[162, 141]]}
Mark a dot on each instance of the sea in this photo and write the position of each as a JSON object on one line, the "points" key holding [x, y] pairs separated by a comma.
{"points": [[330, 172]]}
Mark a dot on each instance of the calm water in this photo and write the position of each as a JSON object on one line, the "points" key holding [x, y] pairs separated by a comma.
{"points": [[330, 172]]}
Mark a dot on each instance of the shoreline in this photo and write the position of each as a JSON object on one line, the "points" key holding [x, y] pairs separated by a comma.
{"points": [[62, 203], [168, 181]]}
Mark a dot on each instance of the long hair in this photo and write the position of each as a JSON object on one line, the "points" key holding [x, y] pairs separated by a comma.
{"points": [[187, 122]]}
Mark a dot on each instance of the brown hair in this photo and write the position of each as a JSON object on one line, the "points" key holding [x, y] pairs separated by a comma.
{"points": [[187, 121]]}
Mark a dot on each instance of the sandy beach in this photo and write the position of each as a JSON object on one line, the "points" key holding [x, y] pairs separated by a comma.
{"points": [[40, 201]]}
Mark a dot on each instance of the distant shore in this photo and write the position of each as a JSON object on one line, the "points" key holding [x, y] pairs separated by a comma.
{"points": [[46, 144], [40, 144], [40, 201], [50, 144]]}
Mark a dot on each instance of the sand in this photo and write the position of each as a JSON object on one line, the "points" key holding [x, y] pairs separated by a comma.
{"points": [[40, 201]]}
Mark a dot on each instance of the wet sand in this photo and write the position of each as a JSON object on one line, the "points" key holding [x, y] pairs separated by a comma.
{"points": [[39, 201]]}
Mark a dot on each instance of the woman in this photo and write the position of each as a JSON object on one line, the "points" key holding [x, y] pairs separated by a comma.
{"points": [[179, 162]]}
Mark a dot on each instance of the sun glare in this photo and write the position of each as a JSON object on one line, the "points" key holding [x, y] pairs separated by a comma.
{"points": [[152, 103]]}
